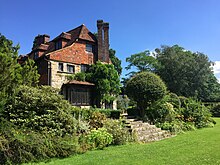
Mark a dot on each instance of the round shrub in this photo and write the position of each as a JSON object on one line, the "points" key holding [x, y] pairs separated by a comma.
{"points": [[145, 88]]}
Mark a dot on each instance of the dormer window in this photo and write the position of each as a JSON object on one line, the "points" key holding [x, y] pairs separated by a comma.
{"points": [[58, 45], [88, 47], [36, 55]]}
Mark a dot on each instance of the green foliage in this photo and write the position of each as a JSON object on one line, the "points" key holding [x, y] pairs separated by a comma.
{"points": [[81, 113], [161, 111], [174, 100], [122, 102], [195, 112], [30, 76], [19, 146], [145, 88], [107, 82], [99, 138], [177, 126], [97, 120], [142, 61], [194, 147], [12, 73], [8, 66], [81, 76], [120, 133], [115, 61], [110, 113], [186, 73], [215, 110], [41, 109]]}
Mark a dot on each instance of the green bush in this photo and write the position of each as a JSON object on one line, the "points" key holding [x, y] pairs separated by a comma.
{"points": [[176, 126], [99, 138], [19, 146], [80, 76], [161, 111], [81, 113], [132, 111], [174, 100], [41, 109], [110, 113], [120, 133], [122, 102], [145, 88], [194, 111], [215, 110], [97, 120]]}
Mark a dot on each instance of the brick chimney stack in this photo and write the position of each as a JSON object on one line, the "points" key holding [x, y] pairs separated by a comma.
{"points": [[41, 39], [103, 41], [100, 39], [106, 41]]}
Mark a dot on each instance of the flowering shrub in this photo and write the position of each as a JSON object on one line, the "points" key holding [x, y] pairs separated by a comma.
{"points": [[120, 133], [99, 138]]}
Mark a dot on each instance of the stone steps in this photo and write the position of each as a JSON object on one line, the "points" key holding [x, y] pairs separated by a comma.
{"points": [[145, 132]]}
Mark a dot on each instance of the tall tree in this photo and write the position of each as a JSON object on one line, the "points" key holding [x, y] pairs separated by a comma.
{"points": [[8, 65], [185, 73], [115, 61], [142, 61], [12, 73]]}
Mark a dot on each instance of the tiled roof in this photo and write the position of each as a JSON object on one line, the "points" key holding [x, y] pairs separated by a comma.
{"points": [[71, 36], [80, 83]]}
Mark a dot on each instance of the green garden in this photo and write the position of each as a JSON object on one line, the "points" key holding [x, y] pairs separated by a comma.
{"points": [[175, 90], [192, 148]]}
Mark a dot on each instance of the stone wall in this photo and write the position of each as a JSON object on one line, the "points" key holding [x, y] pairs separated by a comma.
{"points": [[58, 78]]}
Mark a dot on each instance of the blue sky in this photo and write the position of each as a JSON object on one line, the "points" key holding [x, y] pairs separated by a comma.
{"points": [[135, 25]]}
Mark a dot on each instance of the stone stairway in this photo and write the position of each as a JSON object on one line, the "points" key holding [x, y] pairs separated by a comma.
{"points": [[145, 132]]}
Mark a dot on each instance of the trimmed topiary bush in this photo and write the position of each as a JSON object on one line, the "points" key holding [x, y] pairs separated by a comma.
{"points": [[145, 88]]}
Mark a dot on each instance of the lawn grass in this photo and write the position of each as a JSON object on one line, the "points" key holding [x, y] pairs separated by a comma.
{"points": [[200, 147]]}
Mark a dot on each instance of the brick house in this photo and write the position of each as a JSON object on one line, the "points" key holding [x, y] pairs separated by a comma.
{"points": [[69, 53]]}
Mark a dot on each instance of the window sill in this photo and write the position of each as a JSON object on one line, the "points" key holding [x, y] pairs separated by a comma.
{"points": [[65, 72]]}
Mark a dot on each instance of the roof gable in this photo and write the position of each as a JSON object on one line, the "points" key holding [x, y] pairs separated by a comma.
{"points": [[80, 32]]}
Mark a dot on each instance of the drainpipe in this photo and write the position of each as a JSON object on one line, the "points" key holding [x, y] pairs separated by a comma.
{"points": [[49, 78]]}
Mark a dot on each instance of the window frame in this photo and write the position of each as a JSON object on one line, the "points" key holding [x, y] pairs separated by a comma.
{"points": [[79, 96], [60, 66], [58, 45], [70, 66], [83, 68], [89, 48]]}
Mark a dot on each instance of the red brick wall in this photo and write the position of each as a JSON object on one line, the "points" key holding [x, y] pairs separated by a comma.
{"points": [[42, 65], [75, 54]]}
